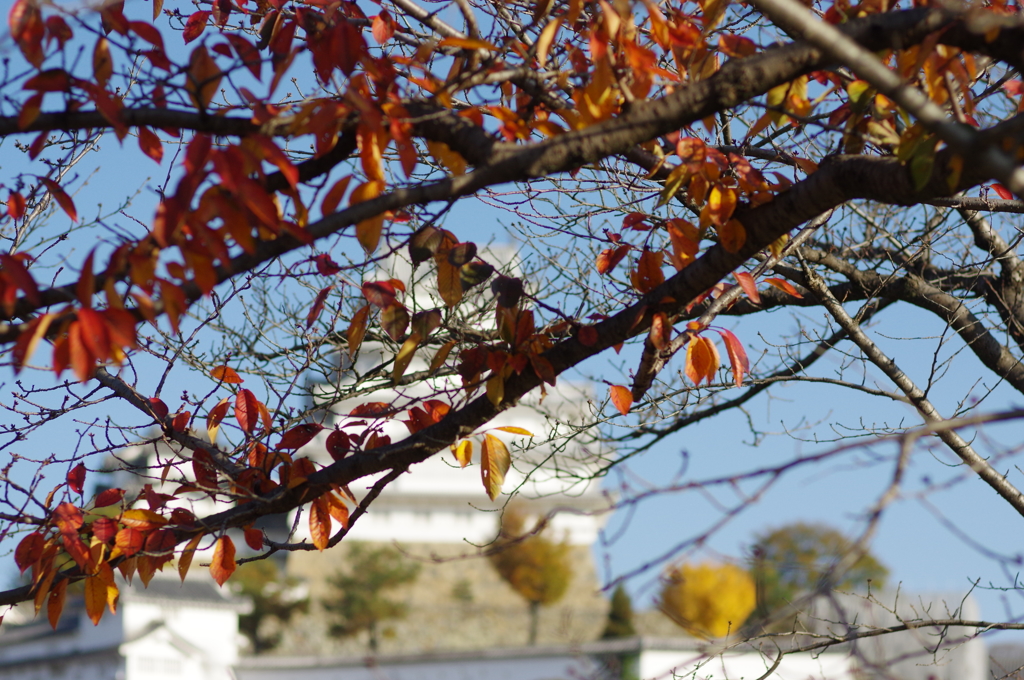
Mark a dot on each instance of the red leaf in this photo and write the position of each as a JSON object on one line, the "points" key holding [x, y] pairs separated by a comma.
{"points": [[160, 409], [195, 25], [181, 420], [299, 436], [104, 528], [76, 478], [318, 306], [1014, 88], [379, 293], [737, 356], [254, 538], [247, 410], [661, 331], [622, 398], [325, 265], [204, 470], [784, 285], [29, 551], [150, 144], [587, 335], [15, 272], [749, 286], [383, 27], [226, 375], [338, 444], [16, 205], [68, 518], [108, 497], [63, 200], [1003, 192]]}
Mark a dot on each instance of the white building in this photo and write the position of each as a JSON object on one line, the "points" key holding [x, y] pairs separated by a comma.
{"points": [[169, 630]]}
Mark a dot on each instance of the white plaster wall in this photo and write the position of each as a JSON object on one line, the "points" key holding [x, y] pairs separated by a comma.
{"points": [[535, 668], [747, 666]]}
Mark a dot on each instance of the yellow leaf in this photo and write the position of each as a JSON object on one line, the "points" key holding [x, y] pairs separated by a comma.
{"points": [[515, 430], [495, 461], [442, 355], [546, 40], [679, 176], [464, 452], [447, 157], [467, 44], [404, 357], [368, 232], [496, 388]]}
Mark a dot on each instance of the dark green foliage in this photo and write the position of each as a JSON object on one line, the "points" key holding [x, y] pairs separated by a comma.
{"points": [[794, 559], [620, 616], [274, 603], [360, 602]]}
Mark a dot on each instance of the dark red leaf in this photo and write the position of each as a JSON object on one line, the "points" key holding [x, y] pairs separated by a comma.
{"points": [[299, 436], [76, 478], [195, 25], [29, 550], [108, 497]]}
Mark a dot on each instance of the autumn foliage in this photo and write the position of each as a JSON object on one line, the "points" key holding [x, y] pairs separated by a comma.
{"points": [[708, 600], [309, 154]]}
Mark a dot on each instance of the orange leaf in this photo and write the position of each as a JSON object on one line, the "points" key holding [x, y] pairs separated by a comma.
{"points": [[334, 196], [495, 461], [737, 356], [95, 598], [701, 360], [102, 64], [29, 339], [247, 410], [214, 418], [55, 603], [203, 78], [223, 563], [622, 398], [732, 236], [607, 259], [648, 275], [721, 204], [129, 541], [59, 195], [357, 330], [226, 375], [319, 523], [749, 286], [785, 286], [661, 331], [185, 561]]}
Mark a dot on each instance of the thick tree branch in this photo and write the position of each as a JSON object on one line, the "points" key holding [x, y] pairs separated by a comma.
{"points": [[928, 412]]}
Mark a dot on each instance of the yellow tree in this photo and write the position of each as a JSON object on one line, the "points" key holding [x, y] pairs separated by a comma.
{"points": [[708, 600], [537, 568]]}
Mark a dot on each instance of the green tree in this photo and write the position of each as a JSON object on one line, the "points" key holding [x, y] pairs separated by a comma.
{"points": [[620, 616], [360, 600], [275, 600], [798, 558], [708, 600], [536, 568]]}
